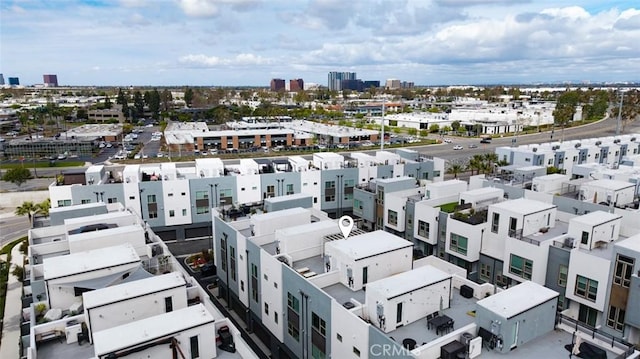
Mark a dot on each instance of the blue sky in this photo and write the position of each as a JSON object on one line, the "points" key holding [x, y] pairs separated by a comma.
{"points": [[248, 42]]}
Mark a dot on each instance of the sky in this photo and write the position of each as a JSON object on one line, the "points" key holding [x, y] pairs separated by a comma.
{"points": [[249, 42]]}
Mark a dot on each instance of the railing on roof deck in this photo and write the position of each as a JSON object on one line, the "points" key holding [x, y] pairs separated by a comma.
{"points": [[517, 234], [596, 333]]}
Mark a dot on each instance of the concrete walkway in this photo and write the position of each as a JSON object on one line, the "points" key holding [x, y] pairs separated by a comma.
{"points": [[10, 347]]}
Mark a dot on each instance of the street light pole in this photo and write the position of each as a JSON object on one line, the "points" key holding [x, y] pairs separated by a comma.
{"points": [[619, 124], [141, 212]]}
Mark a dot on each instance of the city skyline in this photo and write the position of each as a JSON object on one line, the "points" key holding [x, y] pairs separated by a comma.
{"points": [[224, 42]]}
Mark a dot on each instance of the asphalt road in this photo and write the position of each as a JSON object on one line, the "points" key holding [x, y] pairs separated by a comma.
{"points": [[12, 227]]}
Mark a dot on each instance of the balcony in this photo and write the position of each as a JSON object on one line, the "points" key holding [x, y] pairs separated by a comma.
{"points": [[471, 216]]}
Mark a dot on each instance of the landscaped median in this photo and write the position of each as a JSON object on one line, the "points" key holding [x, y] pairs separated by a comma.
{"points": [[5, 268]]}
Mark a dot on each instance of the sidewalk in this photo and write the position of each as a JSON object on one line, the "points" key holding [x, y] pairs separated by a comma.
{"points": [[10, 348]]}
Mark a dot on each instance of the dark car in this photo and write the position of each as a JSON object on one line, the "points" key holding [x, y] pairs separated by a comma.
{"points": [[92, 228], [484, 140]]}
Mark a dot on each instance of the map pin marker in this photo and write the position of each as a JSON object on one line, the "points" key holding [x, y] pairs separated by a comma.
{"points": [[346, 225]]}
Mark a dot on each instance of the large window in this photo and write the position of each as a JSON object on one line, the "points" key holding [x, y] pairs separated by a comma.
{"points": [[615, 319], [586, 288], [223, 253], [330, 184], [495, 222], [563, 271], [195, 348], [64, 203], [254, 282], [485, 272], [624, 269], [423, 229], [520, 267], [393, 217], [318, 337], [152, 206], [289, 189], [458, 244], [293, 316], [357, 205], [232, 262], [585, 238], [202, 202]]}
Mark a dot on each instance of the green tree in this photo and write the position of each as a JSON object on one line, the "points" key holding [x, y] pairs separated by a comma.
{"points": [[424, 133], [138, 104], [455, 169], [18, 272], [565, 109], [43, 207], [412, 131], [153, 102], [166, 99], [17, 176], [455, 125], [434, 128], [188, 96], [630, 107], [107, 102], [28, 209]]}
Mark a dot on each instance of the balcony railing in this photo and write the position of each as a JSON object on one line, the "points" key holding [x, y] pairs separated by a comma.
{"points": [[517, 234], [619, 343]]}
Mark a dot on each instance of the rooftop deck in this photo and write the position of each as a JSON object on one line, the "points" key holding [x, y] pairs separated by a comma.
{"points": [[459, 311], [343, 294]]}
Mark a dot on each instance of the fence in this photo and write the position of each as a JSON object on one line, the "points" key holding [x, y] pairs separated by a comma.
{"points": [[596, 334]]}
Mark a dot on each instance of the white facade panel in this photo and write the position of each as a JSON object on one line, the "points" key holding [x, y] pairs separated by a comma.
{"points": [[592, 267], [271, 288], [177, 207], [248, 189], [311, 186]]}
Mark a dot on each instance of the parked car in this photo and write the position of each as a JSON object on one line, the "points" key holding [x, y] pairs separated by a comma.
{"points": [[447, 140], [485, 140], [457, 147], [473, 145]]}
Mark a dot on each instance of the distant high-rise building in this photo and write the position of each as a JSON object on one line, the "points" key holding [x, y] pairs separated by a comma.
{"points": [[407, 84], [336, 78], [50, 80], [14, 81], [296, 85], [277, 85], [353, 85], [1, 80], [369, 84], [392, 84]]}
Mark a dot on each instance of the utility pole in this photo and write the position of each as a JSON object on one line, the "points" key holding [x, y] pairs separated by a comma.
{"points": [[382, 122], [619, 124]]}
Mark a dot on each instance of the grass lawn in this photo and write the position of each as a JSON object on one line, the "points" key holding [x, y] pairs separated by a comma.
{"points": [[29, 164], [4, 272], [448, 207]]}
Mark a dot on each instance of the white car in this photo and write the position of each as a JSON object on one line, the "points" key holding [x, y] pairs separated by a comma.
{"points": [[457, 147], [160, 155], [447, 140], [367, 144], [137, 156]]}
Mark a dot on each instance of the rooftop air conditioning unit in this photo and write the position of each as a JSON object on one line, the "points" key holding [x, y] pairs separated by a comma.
{"points": [[578, 145], [598, 143]]}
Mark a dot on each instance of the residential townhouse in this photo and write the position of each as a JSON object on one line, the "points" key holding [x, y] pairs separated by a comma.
{"points": [[176, 199], [105, 286]]}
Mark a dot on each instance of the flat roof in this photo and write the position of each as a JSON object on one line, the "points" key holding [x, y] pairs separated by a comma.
{"points": [[632, 243], [610, 184], [595, 218], [409, 281], [111, 232], [524, 205], [483, 190], [288, 197], [370, 244], [518, 299], [445, 183], [278, 214], [309, 227], [98, 217], [77, 207], [146, 330], [61, 266], [100, 297]]}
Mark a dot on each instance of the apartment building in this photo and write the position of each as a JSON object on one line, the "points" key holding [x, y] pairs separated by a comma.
{"points": [[177, 200]]}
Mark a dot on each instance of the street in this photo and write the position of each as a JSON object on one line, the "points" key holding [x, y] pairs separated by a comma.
{"points": [[12, 227]]}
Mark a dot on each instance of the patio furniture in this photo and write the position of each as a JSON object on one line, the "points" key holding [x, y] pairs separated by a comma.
{"points": [[409, 343]]}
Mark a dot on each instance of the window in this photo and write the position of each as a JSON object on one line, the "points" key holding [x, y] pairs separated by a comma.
{"points": [[423, 229], [330, 198], [254, 282], [357, 204], [356, 351], [172, 213], [184, 212], [513, 224], [195, 349], [170, 195], [485, 272], [587, 315], [399, 312], [458, 244], [223, 252], [624, 269], [112, 200], [330, 184], [563, 271], [495, 221], [289, 189], [275, 317], [339, 337], [132, 197], [266, 308], [293, 310], [168, 304], [202, 202], [501, 280], [520, 267], [85, 201], [585, 238], [151, 198], [615, 319], [184, 193], [232, 262], [318, 337], [393, 217], [586, 288]]}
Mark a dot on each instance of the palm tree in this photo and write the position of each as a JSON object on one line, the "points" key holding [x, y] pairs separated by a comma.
{"points": [[27, 208], [454, 169], [475, 163], [43, 207]]}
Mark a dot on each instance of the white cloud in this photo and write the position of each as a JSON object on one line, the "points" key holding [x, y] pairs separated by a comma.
{"points": [[200, 60], [199, 8]]}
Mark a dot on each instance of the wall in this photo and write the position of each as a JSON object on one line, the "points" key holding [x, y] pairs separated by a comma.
{"points": [[15, 199], [175, 201], [56, 193], [248, 189], [352, 331], [537, 254], [310, 184], [272, 294], [302, 202], [307, 241], [133, 309], [133, 235], [474, 235], [592, 267]]}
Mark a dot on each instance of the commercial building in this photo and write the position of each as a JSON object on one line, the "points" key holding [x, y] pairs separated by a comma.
{"points": [[296, 85], [335, 79], [277, 85], [1, 79], [14, 81], [50, 80]]}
